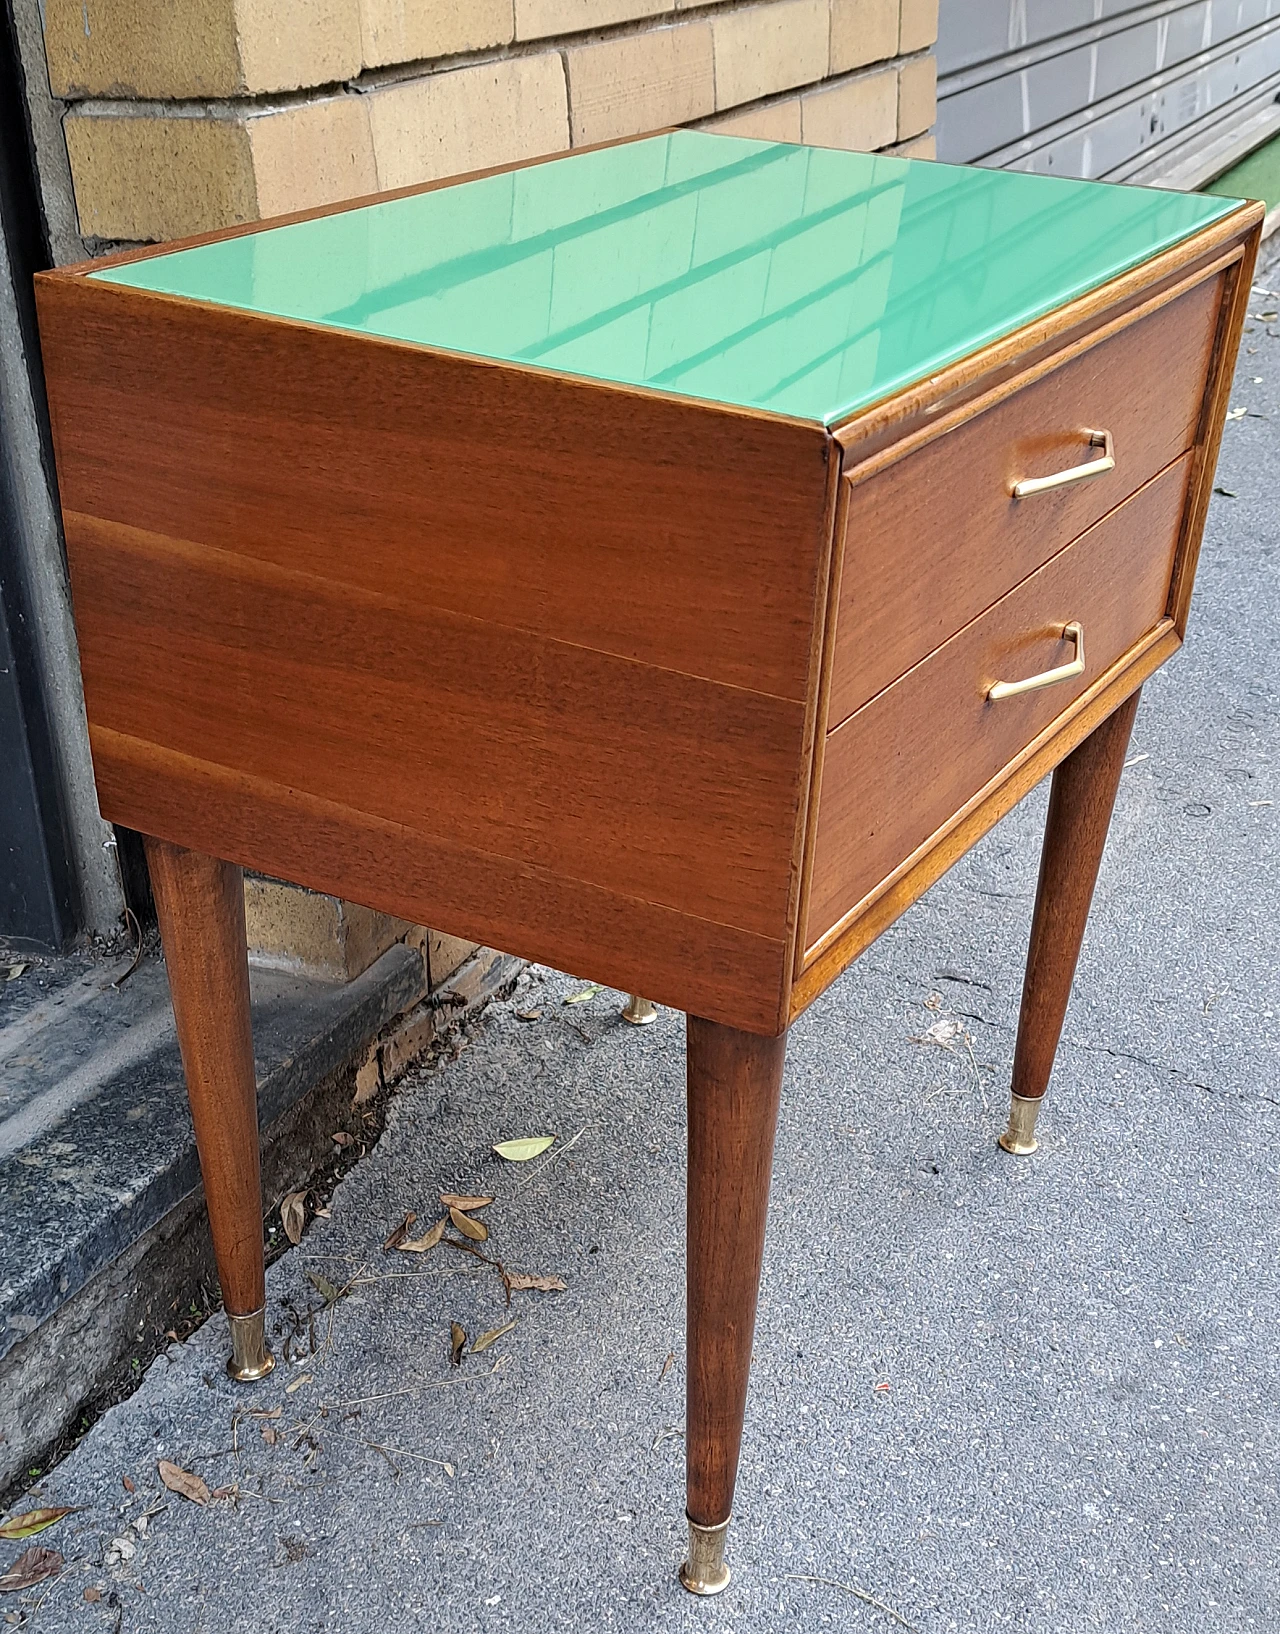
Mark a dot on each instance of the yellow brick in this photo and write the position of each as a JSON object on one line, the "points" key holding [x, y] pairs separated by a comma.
{"points": [[862, 31], [469, 119], [859, 113], [774, 122], [762, 49], [153, 176], [156, 178], [919, 25], [917, 96], [409, 30], [311, 154], [536, 19], [919, 147], [640, 82], [198, 48]]}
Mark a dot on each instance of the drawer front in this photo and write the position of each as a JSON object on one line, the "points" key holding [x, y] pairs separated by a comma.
{"points": [[908, 761], [933, 539]]}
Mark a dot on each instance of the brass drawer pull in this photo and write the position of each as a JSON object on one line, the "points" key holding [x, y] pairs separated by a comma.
{"points": [[1046, 678], [1074, 473]]}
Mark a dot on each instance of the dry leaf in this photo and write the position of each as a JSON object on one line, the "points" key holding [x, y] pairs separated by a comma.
{"points": [[324, 1214], [128, 1483], [400, 1232], [31, 1568], [183, 1482], [297, 1384], [12, 972], [35, 1520], [520, 1151], [458, 1340], [93, 1595], [582, 995], [270, 1434], [475, 1229], [518, 1282], [943, 1033], [425, 1243], [528, 1015], [293, 1215], [486, 1339], [326, 1289], [340, 1137], [451, 1199]]}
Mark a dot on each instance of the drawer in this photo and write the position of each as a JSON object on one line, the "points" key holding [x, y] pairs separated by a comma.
{"points": [[936, 537], [898, 769]]}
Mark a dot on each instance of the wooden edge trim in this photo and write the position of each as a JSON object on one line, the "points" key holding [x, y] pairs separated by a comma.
{"points": [[931, 395], [1231, 316], [144, 252], [864, 922], [820, 657], [54, 286], [809, 840], [877, 461]]}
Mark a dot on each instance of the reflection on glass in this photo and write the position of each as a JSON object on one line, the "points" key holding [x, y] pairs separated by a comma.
{"points": [[806, 281]]}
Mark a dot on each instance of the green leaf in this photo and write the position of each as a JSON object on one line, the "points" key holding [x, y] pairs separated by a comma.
{"points": [[35, 1520], [520, 1151], [582, 995]]}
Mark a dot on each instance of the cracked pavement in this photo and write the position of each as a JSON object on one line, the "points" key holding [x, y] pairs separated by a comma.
{"points": [[989, 1393]]}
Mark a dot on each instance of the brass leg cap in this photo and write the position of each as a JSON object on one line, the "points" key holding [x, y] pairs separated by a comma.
{"points": [[1020, 1137], [639, 1012], [705, 1571], [250, 1357]]}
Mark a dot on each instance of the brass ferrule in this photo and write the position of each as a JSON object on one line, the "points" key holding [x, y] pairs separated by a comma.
{"points": [[639, 1012], [250, 1356], [705, 1571], [1020, 1137]]}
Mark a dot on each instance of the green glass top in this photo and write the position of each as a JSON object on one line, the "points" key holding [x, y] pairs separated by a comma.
{"points": [[806, 281]]}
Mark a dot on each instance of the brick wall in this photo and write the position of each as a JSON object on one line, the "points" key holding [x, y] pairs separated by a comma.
{"points": [[183, 117]]}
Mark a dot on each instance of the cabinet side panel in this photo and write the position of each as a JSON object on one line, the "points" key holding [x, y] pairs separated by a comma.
{"points": [[553, 638]]}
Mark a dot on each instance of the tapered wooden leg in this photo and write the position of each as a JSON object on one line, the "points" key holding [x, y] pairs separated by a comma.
{"points": [[1084, 792], [200, 905], [734, 1081]]}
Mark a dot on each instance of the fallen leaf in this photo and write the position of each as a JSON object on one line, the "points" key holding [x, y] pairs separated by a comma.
{"points": [[1269, 317], [340, 1137], [458, 1340], [520, 1151], [119, 1549], [297, 1384], [35, 1520], [183, 1482], [31, 1568], [400, 1232], [12, 972], [293, 1215], [324, 1214], [93, 1595], [1225, 492], [933, 1002], [270, 1434], [425, 1243], [452, 1200], [475, 1229], [128, 1483], [232, 1491], [326, 1289], [1237, 413], [943, 1032], [487, 1338], [518, 1282], [582, 995], [528, 1015]]}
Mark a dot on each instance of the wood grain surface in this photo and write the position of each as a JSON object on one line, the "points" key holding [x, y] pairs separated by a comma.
{"points": [[949, 511], [905, 763]]}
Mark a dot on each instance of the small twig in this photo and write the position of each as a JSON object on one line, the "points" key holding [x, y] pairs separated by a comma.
{"points": [[671, 1356], [131, 919], [413, 1389], [550, 1159], [861, 1594]]}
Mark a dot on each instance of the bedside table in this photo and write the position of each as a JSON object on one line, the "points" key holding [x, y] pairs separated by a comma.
{"points": [[661, 562]]}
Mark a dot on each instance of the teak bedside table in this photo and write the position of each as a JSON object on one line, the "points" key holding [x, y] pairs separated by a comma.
{"points": [[662, 562]]}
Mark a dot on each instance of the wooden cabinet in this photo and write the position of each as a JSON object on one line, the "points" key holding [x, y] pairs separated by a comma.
{"points": [[611, 559]]}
